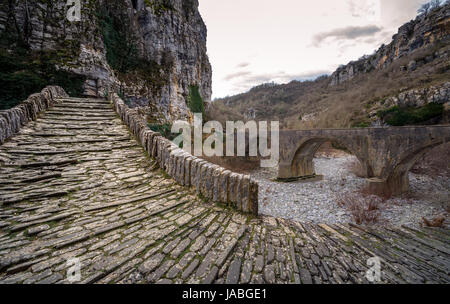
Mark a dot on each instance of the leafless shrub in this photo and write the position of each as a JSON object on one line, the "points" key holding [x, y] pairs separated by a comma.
{"points": [[437, 222], [266, 198], [365, 209]]}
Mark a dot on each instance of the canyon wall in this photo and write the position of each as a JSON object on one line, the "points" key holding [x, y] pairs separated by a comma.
{"points": [[163, 40]]}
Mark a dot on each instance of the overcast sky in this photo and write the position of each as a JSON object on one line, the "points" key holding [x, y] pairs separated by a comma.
{"points": [[256, 41]]}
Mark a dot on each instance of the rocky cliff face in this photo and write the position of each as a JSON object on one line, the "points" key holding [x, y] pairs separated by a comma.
{"points": [[167, 37], [416, 98], [420, 97], [172, 34], [424, 31]]}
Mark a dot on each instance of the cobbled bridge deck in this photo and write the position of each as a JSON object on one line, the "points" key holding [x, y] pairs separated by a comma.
{"points": [[75, 184]]}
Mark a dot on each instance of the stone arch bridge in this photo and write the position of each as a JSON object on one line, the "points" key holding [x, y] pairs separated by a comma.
{"points": [[386, 154], [78, 180]]}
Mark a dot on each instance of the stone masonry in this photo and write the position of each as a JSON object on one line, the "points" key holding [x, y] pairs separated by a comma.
{"points": [[385, 154], [211, 181], [75, 183]]}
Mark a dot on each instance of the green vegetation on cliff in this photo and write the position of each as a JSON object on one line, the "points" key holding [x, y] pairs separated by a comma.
{"points": [[159, 7], [195, 100], [164, 129], [24, 72], [121, 45], [398, 116], [122, 51]]}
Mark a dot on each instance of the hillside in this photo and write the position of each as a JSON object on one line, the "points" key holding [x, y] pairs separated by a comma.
{"points": [[405, 82]]}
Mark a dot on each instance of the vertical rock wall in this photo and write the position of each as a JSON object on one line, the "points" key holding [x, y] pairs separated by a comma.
{"points": [[169, 33]]}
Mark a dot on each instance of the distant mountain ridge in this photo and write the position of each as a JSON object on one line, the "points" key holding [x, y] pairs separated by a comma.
{"points": [[423, 31], [410, 73]]}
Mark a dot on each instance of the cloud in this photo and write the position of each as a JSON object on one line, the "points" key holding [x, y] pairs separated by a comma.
{"points": [[243, 65], [367, 9], [236, 75], [346, 33]]}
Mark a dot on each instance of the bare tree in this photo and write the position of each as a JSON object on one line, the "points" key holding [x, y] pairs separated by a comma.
{"points": [[424, 9], [427, 7], [435, 3]]}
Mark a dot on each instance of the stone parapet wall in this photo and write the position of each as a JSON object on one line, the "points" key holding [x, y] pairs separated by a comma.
{"points": [[13, 119], [214, 183]]}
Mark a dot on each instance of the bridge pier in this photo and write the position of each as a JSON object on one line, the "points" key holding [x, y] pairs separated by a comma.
{"points": [[305, 171], [395, 185]]}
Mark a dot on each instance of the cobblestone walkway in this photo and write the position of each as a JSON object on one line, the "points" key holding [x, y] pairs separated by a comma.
{"points": [[73, 184]]}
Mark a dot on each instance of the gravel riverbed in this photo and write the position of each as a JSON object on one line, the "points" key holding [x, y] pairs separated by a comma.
{"points": [[316, 202]]}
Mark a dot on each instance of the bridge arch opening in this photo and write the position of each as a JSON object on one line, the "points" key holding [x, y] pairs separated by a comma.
{"points": [[398, 179], [302, 164]]}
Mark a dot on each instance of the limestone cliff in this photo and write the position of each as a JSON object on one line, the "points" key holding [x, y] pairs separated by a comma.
{"points": [[426, 30], [415, 98], [149, 51]]}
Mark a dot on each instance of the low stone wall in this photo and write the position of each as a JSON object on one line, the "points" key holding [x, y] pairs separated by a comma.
{"points": [[211, 181], [13, 119]]}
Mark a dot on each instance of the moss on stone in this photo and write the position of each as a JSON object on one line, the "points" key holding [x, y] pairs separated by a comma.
{"points": [[164, 129], [159, 7]]}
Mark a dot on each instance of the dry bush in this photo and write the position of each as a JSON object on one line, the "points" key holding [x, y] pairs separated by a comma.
{"points": [[266, 199], [220, 112], [365, 209], [435, 162], [437, 222]]}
